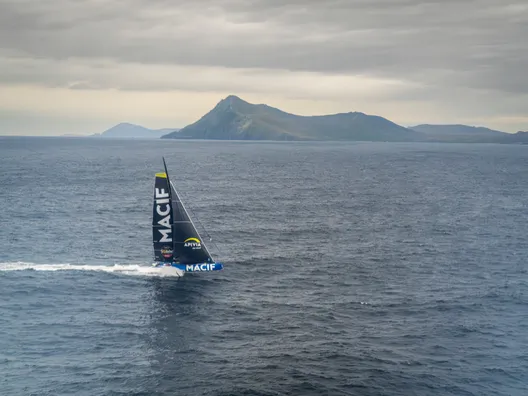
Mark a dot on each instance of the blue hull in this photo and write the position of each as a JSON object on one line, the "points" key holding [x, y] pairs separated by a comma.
{"points": [[203, 267]]}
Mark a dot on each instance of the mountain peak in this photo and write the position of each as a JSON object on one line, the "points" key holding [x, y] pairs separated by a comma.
{"points": [[232, 102], [235, 119], [233, 99]]}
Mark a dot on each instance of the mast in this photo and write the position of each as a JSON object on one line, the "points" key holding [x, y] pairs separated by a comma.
{"points": [[167, 173], [170, 199]]}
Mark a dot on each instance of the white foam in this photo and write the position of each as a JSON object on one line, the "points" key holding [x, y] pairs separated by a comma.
{"points": [[126, 269]]}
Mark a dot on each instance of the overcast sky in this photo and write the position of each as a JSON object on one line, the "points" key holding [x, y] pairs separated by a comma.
{"points": [[70, 66]]}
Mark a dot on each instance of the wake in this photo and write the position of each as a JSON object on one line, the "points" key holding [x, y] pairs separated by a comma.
{"points": [[125, 269]]}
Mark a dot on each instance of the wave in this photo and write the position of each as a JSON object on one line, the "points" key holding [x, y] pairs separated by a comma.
{"points": [[126, 269]]}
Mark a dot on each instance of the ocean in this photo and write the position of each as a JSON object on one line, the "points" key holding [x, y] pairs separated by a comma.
{"points": [[350, 269]]}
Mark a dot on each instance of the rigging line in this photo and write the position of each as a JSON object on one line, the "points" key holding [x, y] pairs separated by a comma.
{"points": [[206, 233], [196, 217]]}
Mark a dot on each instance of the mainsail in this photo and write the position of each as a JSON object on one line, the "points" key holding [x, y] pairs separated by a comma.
{"points": [[175, 236], [162, 219]]}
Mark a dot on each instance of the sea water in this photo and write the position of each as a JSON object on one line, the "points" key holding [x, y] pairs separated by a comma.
{"points": [[350, 269]]}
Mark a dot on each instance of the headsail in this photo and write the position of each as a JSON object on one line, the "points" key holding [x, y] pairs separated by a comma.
{"points": [[176, 238], [189, 247]]}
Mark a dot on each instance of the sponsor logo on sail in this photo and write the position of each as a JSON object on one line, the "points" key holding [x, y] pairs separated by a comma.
{"points": [[193, 243], [166, 251], [163, 209]]}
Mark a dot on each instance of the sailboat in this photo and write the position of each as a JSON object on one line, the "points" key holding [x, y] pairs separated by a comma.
{"points": [[177, 244]]}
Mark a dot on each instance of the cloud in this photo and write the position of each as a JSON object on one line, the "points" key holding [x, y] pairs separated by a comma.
{"points": [[401, 38], [455, 55], [110, 74]]}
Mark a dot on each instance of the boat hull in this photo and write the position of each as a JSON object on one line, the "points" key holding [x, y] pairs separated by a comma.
{"points": [[201, 267], [168, 270]]}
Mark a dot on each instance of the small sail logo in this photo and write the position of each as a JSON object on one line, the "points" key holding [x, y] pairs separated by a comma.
{"points": [[166, 252], [193, 243]]}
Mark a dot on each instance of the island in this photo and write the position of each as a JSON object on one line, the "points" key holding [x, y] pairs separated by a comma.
{"points": [[126, 130], [236, 119]]}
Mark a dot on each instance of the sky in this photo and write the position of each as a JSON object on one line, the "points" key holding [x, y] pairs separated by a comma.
{"points": [[80, 67]]}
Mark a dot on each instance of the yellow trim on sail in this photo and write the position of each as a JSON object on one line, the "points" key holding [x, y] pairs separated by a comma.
{"points": [[162, 175], [192, 239]]}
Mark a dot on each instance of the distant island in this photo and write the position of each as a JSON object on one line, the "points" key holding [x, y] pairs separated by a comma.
{"points": [[469, 134], [461, 133], [126, 130], [235, 119]]}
